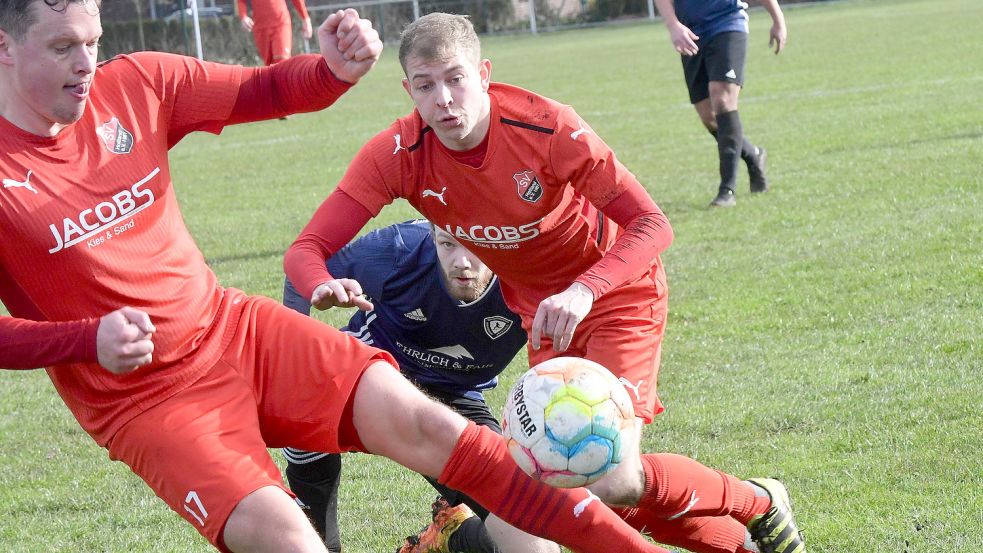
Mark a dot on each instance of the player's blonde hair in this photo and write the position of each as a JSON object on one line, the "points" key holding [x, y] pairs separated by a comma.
{"points": [[438, 37]]}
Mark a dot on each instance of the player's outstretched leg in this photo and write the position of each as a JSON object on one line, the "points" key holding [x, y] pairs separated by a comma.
{"points": [[679, 487], [395, 419]]}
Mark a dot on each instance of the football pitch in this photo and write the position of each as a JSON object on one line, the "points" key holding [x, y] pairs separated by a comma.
{"points": [[826, 333]]}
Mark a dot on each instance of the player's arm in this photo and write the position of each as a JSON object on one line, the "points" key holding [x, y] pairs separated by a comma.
{"points": [[682, 38], [119, 341], [349, 48], [580, 157], [333, 225], [778, 34], [369, 184], [305, 18], [646, 234], [244, 19]]}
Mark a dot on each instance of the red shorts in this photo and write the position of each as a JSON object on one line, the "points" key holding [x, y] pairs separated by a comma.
{"points": [[285, 380], [273, 43], [623, 332]]}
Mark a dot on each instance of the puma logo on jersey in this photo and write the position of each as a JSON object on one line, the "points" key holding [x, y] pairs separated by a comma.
{"points": [[575, 134], [438, 195], [92, 222], [580, 507], [693, 499], [11, 183], [398, 138], [633, 387]]}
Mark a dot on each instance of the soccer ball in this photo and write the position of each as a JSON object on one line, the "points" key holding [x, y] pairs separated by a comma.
{"points": [[564, 422]]}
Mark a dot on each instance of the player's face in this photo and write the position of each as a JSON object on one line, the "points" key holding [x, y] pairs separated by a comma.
{"points": [[465, 277], [452, 98], [47, 75]]}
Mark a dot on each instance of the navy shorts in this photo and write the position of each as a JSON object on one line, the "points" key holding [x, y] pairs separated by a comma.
{"points": [[720, 59]]}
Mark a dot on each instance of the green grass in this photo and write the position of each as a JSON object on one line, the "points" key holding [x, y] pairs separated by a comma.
{"points": [[826, 333]]}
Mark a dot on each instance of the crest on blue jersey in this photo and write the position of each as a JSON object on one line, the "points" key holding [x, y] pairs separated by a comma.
{"points": [[496, 326]]}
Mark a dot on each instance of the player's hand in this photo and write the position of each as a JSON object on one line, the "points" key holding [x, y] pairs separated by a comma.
{"points": [[124, 340], [340, 292], [307, 31], [247, 23], [558, 316], [778, 36], [349, 44], [683, 39]]}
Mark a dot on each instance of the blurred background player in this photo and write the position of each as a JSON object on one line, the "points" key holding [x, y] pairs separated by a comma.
{"points": [[271, 27], [439, 311], [575, 239], [193, 382], [711, 36]]}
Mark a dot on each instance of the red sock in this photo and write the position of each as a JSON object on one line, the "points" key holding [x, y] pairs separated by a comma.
{"points": [[481, 467], [677, 486], [697, 534]]}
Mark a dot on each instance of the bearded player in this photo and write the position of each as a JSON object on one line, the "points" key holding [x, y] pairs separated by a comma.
{"points": [[185, 381]]}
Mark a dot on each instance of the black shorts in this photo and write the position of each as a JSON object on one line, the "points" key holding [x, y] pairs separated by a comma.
{"points": [[720, 59], [472, 409]]}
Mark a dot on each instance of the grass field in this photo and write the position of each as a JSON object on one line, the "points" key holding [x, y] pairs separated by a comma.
{"points": [[827, 333]]}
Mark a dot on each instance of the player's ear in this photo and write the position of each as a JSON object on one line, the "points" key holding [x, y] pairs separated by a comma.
{"points": [[6, 41], [484, 70], [406, 87]]}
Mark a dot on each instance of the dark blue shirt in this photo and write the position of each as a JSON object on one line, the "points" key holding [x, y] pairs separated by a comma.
{"points": [[708, 18], [440, 343]]}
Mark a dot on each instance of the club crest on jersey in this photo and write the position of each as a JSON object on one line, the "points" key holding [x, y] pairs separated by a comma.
{"points": [[496, 326], [117, 139], [528, 186]]}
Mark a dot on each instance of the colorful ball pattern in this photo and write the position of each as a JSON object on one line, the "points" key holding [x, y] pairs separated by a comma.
{"points": [[564, 421]]}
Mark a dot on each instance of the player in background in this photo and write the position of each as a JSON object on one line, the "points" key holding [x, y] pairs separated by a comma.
{"points": [[711, 38], [185, 381], [271, 28], [574, 238], [439, 311]]}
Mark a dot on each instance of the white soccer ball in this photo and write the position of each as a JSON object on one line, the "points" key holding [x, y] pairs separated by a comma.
{"points": [[565, 421]]}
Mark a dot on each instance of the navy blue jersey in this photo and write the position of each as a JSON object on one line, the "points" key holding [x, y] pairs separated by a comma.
{"points": [[440, 343], [708, 18]]}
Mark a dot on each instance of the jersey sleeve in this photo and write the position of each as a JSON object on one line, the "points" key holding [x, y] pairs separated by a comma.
{"points": [[301, 8], [374, 178], [580, 157], [370, 183], [194, 95], [371, 259], [583, 159], [28, 344]]}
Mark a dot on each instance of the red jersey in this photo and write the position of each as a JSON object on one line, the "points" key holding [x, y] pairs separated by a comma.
{"points": [[271, 13], [530, 211], [91, 224]]}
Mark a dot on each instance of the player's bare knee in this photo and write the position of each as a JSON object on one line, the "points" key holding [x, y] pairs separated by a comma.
{"points": [[268, 520], [620, 488]]}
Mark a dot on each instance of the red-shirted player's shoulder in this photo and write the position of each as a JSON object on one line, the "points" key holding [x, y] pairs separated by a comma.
{"points": [[519, 104], [141, 65]]}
